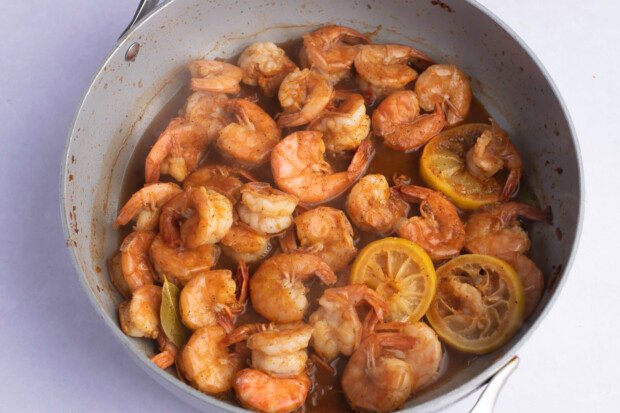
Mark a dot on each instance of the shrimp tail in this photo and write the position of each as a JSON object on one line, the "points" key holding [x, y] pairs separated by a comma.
{"points": [[243, 278], [361, 160], [511, 187]]}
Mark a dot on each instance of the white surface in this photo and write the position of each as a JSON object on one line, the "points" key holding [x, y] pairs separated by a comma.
{"points": [[55, 354]]}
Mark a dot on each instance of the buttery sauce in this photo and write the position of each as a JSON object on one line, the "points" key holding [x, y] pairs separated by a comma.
{"points": [[326, 394]]}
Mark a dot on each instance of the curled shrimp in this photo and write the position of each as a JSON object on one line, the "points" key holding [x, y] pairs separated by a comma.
{"points": [[266, 65], [180, 264], [438, 229], [145, 205], [303, 95], [337, 327], [531, 278], [177, 151], [299, 168], [205, 215], [261, 392], [277, 291], [373, 206], [328, 233], [265, 209], [383, 69], [250, 139], [214, 76], [210, 298], [496, 230], [135, 263], [398, 122], [344, 123], [492, 152], [445, 85], [227, 180], [376, 378], [206, 361], [139, 316], [331, 51], [242, 243], [209, 111]]}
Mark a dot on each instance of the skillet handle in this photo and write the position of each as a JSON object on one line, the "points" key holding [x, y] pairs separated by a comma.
{"points": [[486, 402], [144, 8]]}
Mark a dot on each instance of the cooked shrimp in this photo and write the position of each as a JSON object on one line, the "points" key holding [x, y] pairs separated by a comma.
{"points": [[261, 392], [250, 139], [205, 215], [328, 233], [445, 85], [397, 121], [303, 95], [344, 123], [383, 69], [177, 151], [225, 179], [375, 378], [209, 111], [180, 264], [139, 316], [496, 230], [299, 168], [438, 229], [214, 76], [373, 206], [135, 263], [491, 153], [167, 351], [266, 209], [242, 243], [266, 65], [531, 278], [277, 290], [331, 51], [337, 327], [145, 205], [209, 298], [206, 362]]}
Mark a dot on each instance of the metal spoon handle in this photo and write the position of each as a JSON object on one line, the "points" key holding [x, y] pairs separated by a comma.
{"points": [[486, 402]]}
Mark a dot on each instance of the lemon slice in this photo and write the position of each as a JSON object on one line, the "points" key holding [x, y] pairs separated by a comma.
{"points": [[442, 166], [401, 272], [478, 305]]}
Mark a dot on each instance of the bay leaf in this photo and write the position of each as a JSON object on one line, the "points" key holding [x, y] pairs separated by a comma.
{"points": [[169, 315]]}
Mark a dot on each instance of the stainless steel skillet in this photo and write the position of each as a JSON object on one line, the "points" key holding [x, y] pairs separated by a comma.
{"points": [[147, 68]]}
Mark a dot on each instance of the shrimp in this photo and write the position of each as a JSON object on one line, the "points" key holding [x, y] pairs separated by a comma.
{"points": [[135, 264], [167, 351], [180, 264], [250, 139], [331, 50], [344, 123], [242, 243], [531, 278], [261, 392], [214, 76], [266, 65], [337, 327], [438, 229], [209, 298], [177, 151], [376, 378], [495, 230], [299, 168], [328, 233], [266, 209], [303, 95], [374, 207], [445, 85], [139, 316], [206, 362], [227, 180], [206, 217], [277, 291], [397, 121], [209, 111], [491, 153], [383, 69], [145, 205]]}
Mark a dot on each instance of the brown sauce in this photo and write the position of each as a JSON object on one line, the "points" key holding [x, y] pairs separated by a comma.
{"points": [[326, 394]]}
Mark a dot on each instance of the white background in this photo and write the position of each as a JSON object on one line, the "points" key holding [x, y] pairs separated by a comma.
{"points": [[56, 355]]}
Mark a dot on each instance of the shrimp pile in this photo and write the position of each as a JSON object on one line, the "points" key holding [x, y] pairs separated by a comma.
{"points": [[256, 202]]}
